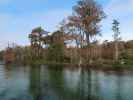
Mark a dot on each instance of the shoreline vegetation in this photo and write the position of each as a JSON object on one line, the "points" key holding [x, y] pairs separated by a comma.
{"points": [[75, 43], [103, 67], [97, 66]]}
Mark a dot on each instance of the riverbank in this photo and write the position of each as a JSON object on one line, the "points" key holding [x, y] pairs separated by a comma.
{"points": [[95, 65], [99, 66], [112, 67]]}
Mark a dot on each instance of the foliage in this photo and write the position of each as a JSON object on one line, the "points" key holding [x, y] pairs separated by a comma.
{"points": [[116, 36], [116, 30], [85, 20], [37, 30], [84, 26], [1, 55], [56, 48]]}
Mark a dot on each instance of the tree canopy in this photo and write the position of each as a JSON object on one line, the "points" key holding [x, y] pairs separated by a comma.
{"points": [[85, 20]]}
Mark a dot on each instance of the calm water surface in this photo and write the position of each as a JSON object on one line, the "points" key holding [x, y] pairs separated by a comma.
{"points": [[46, 83]]}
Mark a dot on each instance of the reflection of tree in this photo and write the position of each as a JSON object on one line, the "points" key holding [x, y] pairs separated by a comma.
{"points": [[84, 90], [119, 87], [95, 86], [60, 84], [56, 81], [87, 84], [35, 88], [8, 70], [52, 83], [90, 85]]}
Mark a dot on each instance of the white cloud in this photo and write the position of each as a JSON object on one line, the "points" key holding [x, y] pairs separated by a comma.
{"points": [[123, 11], [15, 28], [120, 6], [2, 2]]}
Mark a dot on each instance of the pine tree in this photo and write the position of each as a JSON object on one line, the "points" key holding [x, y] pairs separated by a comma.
{"points": [[116, 37]]}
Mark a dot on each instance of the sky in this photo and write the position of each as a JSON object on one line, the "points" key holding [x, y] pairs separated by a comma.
{"points": [[19, 17]]}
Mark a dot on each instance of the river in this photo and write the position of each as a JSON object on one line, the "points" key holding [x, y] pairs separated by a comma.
{"points": [[63, 83]]}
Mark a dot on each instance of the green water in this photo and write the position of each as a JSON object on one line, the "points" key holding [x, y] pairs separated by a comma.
{"points": [[63, 83]]}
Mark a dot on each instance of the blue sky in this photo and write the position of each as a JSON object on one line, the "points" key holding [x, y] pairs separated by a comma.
{"points": [[19, 17]]}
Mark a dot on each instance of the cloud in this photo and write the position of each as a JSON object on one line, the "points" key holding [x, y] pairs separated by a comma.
{"points": [[3, 2], [123, 12], [15, 28], [118, 6]]}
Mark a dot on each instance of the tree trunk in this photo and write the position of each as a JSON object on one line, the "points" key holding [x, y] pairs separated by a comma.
{"points": [[116, 51]]}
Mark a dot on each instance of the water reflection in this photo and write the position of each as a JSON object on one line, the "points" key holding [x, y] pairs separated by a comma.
{"points": [[35, 82], [14, 83], [63, 83], [72, 79], [119, 88]]}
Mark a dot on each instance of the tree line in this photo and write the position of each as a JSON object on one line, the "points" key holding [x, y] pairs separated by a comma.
{"points": [[80, 29]]}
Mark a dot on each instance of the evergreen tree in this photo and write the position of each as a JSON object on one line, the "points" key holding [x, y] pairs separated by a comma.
{"points": [[116, 37]]}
